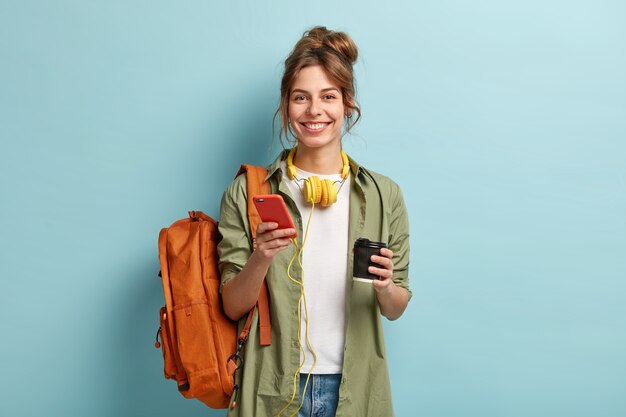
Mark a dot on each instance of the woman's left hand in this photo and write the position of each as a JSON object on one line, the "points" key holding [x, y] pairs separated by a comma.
{"points": [[392, 298], [384, 283]]}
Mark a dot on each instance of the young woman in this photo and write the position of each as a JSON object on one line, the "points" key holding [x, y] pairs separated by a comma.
{"points": [[327, 355]]}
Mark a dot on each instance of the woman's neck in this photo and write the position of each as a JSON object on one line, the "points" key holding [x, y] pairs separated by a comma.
{"points": [[325, 161]]}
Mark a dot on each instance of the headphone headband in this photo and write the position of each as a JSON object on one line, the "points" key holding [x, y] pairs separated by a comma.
{"points": [[291, 169]]}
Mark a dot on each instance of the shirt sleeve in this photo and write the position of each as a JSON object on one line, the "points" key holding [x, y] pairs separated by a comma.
{"points": [[399, 240], [234, 246]]}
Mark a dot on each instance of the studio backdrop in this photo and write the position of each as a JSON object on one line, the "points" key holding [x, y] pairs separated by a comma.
{"points": [[504, 122]]}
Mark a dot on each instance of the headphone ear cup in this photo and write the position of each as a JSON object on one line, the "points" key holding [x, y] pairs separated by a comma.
{"points": [[331, 192], [307, 191], [317, 186], [324, 196], [313, 189], [318, 191]]}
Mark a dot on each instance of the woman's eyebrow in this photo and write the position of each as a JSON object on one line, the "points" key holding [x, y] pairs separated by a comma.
{"points": [[325, 90]]}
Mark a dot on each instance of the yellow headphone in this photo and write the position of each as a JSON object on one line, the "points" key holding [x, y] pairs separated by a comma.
{"points": [[318, 191]]}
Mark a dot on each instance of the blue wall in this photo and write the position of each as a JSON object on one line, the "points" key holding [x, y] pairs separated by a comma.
{"points": [[504, 122]]}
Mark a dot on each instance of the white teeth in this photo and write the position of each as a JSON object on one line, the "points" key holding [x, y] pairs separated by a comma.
{"points": [[315, 126]]}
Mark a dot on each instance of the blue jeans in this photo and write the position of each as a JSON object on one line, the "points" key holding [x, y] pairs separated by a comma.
{"points": [[322, 395]]}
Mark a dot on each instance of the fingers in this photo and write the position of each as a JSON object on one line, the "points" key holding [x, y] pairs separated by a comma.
{"points": [[384, 284], [270, 240], [268, 231], [382, 273], [386, 253], [273, 244], [265, 226], [385, 271]]}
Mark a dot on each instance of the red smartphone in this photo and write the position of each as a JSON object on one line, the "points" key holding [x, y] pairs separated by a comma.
{"points": [[272, 208]]}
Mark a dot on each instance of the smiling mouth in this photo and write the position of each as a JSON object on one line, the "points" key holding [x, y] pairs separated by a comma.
{"points": [[315, 126]]}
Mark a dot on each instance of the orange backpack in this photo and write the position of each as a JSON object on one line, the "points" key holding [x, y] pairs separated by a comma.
{"points": [[201, 349]]}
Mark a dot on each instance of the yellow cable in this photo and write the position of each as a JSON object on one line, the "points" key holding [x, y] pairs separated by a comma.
{"points": [[301, 301], [299, 283], [296, 254]]}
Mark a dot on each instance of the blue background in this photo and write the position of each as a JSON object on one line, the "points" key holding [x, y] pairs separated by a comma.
{"points": [[504, 123]]}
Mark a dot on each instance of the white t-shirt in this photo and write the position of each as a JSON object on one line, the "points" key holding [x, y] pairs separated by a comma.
{"points": [[324, 259]]}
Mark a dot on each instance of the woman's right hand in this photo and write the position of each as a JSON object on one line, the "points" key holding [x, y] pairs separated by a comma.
{"points": [[270, 240], [241, 292]]}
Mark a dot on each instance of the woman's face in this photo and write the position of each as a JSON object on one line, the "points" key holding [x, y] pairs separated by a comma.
{"points": [[316, 109]]}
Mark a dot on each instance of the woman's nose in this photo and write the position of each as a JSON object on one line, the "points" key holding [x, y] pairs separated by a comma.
{"points": [[314, 108]]}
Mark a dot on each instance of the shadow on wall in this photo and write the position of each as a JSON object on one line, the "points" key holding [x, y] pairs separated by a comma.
{"points": [[137, 385]]}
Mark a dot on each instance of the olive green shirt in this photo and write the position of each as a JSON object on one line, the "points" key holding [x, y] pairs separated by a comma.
{"points": [[266, 382]]}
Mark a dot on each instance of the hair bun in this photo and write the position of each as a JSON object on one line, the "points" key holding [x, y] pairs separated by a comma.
{"points": [[340, 42]]}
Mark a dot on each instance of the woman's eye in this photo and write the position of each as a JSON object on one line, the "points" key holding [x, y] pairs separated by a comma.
{"points": [[299, 98], [329, 97]]}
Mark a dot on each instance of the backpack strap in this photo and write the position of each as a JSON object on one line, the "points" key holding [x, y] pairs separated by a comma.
{"points": [[257, 185]]}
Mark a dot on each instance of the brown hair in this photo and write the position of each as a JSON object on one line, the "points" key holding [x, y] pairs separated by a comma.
{"points": [[335, 52]]}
